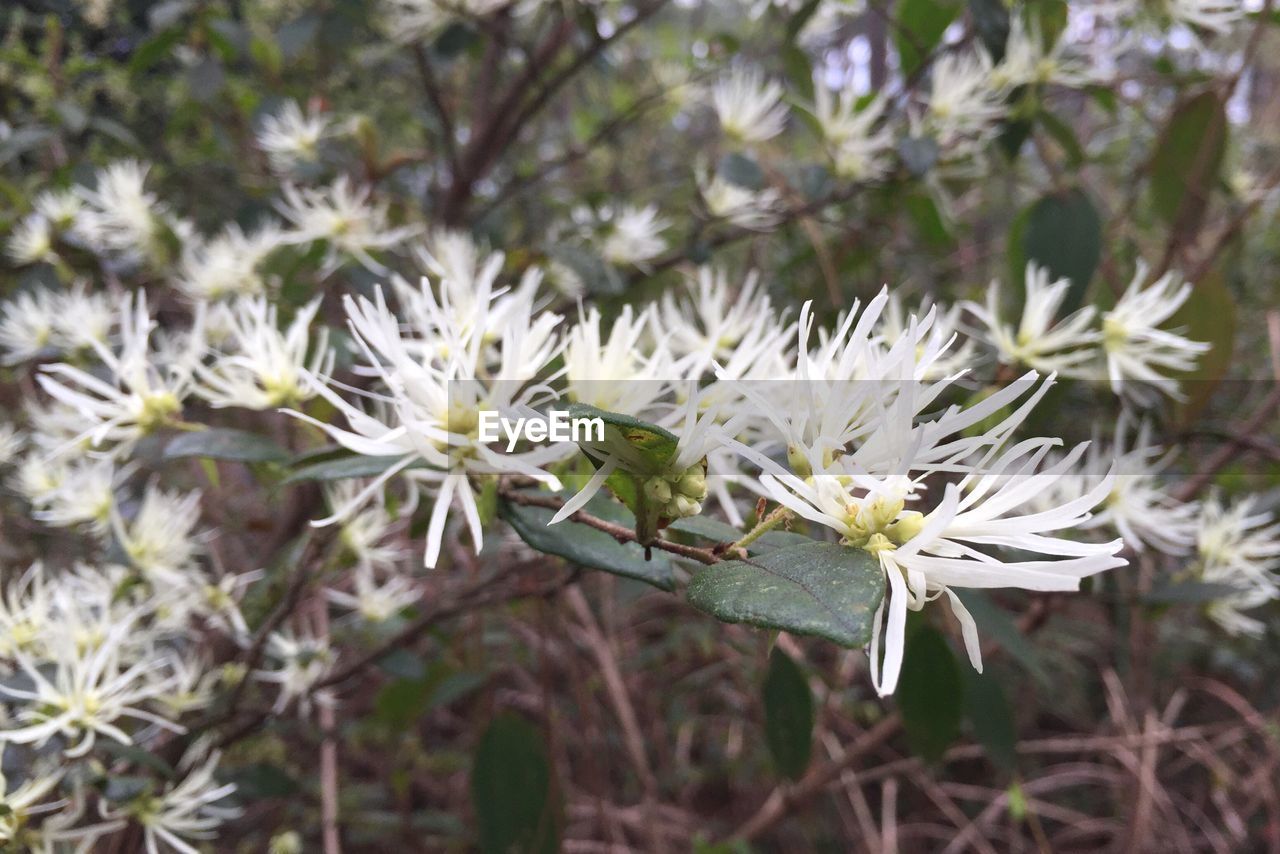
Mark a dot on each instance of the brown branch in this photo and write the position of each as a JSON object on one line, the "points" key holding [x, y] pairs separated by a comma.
{"points": [[1224, 456], [621, 533], [431, 86]]}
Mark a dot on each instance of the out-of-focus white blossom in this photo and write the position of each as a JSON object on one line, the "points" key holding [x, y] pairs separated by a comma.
{"points": [[1028, 62], [141, 392], [228, 264], [632, 235], [749, 106], [414, 20], [183, 813], [1239, 547], [262, 367], [344, 216], [301, 661], [376, 601], [28, 325], [964, 103], [85, 693], [756, 210], [291, 137], [120, 215], [860, 150], [31, 241], [160, 538]]}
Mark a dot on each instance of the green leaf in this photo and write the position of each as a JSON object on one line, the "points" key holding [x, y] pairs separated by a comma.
{"points": [[646, 446], [154, 50], [741, 170], [991, 22], [821, 589], [225, 443], [920, 25], [345, 467], [918, 154], [1189, 593], [788, 715], [1209, 314], [799, 70], [587, 546], [1053, 16], [1064, 234], [930, 693], [1188, 160], [928, 220], [263, 780], [641, 451], [516, 805], [991, 718], [802, 16], [399, 702], [1064, 136]]}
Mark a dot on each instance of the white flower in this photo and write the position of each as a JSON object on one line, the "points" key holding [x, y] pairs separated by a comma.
{"points": [[1138, 507], [895, 323], [715, 320], [345, 217], [29, 799], [28, 325], [756, 210], [60, 208], [141, 393], [25, 611], [87, 691], [183, 813], [11, 442], [1027, 61], [1041, 340], [227, 264], [262, 367], [1239, 548], [613, 372], [1140, 354], [303, 661], [749, 107], [159, 540], [85, 495], [632, 234], [859, 151], [1238, 537], [431, 413], [964, 104], [1216, 16], [861, 450], [120, 216], [365, 533], [292, 138], [376, 602], [83, 319], [31, 241], [414, 20]]}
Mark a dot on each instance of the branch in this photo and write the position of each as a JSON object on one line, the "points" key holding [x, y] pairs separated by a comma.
{"points": [[432, 87], [621, 533]]}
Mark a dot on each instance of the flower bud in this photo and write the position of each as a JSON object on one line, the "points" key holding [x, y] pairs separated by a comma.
{"points": [[693, 484], [658, 489], [686, 506]]}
